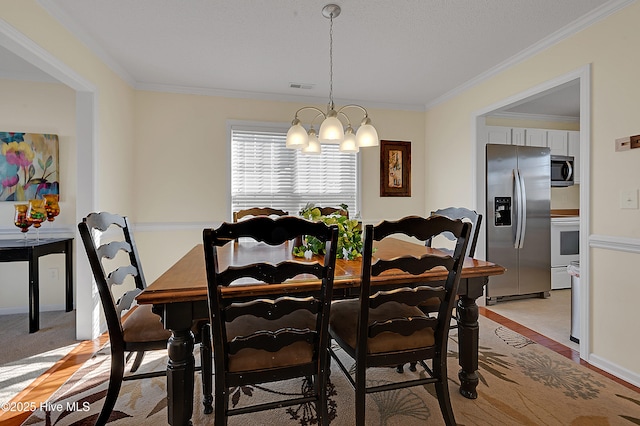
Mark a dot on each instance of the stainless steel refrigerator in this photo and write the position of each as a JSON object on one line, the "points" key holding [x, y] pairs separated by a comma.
{"points": [[518, 220]]}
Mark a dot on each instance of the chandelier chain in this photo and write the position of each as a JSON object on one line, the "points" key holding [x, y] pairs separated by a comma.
{"points": [[331, 61], [332, 129]]}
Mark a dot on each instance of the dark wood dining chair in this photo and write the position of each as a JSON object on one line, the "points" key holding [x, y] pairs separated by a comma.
{"points": [[258, 211], [466, 215], [326, 211], [278, 337], [386, 327], [132, 328]]}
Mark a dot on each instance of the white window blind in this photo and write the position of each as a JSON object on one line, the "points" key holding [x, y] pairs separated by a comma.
{"points": [[264, 173]]}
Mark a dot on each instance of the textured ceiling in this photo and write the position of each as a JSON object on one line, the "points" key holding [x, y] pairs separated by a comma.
{"points": [[405, 54]]}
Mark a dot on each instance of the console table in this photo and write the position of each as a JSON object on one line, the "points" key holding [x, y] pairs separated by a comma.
{"points": [[31, 251]]}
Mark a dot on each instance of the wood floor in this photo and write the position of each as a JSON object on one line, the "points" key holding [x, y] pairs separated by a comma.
{"points": [[43, 387]]}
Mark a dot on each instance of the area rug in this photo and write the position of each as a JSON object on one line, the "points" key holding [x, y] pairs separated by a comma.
{"points": [[521, 383]]}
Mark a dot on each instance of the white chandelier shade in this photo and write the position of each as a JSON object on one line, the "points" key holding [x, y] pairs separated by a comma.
{"points": [[367, 134], [332, 129], [314, 146], [297, 136], [349, 144]]}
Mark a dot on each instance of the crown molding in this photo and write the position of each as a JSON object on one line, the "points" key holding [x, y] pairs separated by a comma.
{"points": [[65, 20], [578, 25], [239, 94], [596, 15], [538, 117]]}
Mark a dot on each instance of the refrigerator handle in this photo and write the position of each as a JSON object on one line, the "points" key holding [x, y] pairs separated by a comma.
{"points": [[523, 213], [518, 204]]}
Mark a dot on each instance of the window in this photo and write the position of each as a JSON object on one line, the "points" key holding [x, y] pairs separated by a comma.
{"points": [[264, 173]]}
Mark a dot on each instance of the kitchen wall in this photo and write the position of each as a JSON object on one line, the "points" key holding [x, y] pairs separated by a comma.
{"points": [[561, 198], [610, 48], [565, 198]]}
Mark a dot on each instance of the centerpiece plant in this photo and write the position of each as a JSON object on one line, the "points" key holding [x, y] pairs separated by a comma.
{"points": [[349, 234]]}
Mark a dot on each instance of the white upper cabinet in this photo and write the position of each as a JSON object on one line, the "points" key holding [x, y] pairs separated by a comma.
{"points": [[535, 137], [499, 135], [561, 142], [518, 136], [557, 141]]}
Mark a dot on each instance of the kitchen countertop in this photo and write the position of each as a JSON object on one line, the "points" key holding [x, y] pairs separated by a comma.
{"points": [[565, 213]]}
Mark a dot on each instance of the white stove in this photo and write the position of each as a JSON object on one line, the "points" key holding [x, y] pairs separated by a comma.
{"points": [[565, 248]]}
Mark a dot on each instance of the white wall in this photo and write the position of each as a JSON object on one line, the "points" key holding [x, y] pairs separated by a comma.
{"points": [[182, 168], [610, 46], [39, 108], [104, 166], [128, 140]]}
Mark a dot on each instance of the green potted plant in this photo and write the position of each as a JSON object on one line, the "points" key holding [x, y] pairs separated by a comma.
{"points": [[349, 234]]}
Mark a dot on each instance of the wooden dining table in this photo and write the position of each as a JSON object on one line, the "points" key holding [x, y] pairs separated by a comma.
{"points": [[179, 296]]}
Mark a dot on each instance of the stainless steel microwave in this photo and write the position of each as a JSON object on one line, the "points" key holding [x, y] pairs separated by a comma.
{"points": [[561, 170]]}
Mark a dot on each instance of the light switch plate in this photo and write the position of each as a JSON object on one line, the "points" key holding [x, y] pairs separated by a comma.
{"points": [[629, 199]]}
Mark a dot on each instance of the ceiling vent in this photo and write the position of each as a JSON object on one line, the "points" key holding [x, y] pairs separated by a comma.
{"points": [[301, 85]]}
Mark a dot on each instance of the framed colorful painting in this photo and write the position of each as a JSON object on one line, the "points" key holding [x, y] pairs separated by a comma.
{"points": [[395, 169], [29, 166]]}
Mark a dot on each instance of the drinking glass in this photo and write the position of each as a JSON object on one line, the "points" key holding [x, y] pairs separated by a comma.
{"points": [[21, 220], [36, 214], [51, 206]]}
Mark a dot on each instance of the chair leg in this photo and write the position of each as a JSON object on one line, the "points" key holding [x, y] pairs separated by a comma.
{"points": [[206, 361], [442, 391], [137, 362], [221, 403], [115, 382], [412, 367], [320, 388], [361, 384]]}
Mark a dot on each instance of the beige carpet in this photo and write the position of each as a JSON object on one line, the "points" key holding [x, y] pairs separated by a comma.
{"points": [[522, 383], [25, 356]]}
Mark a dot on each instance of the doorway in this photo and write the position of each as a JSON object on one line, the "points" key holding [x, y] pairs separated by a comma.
{"points": [[580, 77], [39, 60]]}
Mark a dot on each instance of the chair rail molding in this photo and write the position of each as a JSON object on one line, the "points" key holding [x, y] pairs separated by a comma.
{"points": [[45, 232], [608, 242]]}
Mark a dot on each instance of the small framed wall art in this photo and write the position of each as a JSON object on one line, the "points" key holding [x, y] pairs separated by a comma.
{"points": [[395, 169], [29, 166]]}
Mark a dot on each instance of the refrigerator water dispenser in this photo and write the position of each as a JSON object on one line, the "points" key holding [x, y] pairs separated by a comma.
{"points": [[502, 209]]}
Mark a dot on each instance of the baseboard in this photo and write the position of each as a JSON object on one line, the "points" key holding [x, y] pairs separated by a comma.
{"points": [[25, 309], [620, 372]]}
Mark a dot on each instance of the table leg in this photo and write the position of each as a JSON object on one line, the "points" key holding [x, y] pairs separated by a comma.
{"points": [[467, 311], [68, 267], [34, 294], [180, 377]]}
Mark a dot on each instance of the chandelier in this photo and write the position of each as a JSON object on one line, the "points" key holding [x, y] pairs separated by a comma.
{"points": [[332, 130]]}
